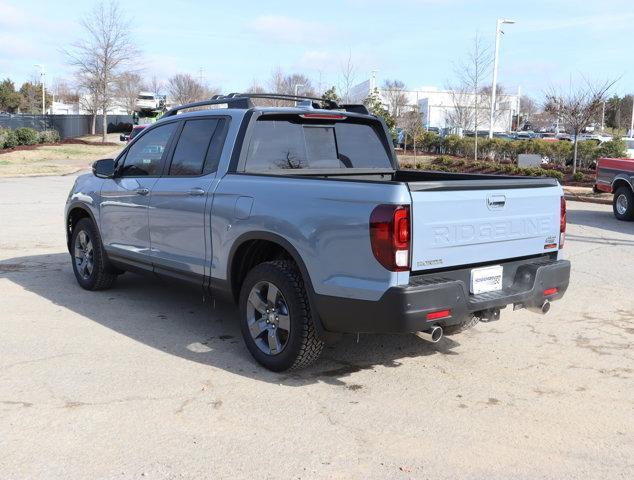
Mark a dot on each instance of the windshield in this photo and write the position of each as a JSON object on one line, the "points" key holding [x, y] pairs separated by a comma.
{"points": [[146, 97], [293, 144]]}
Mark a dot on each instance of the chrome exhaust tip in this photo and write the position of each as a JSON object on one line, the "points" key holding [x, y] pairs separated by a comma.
{"points": [[433, 335], [543, 309]]}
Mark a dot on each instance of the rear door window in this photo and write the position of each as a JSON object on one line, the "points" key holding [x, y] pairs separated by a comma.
{"points": [[192, 147], [291, 144]]}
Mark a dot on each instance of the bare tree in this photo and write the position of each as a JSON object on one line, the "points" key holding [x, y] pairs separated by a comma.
{"points": [[394, 93], [289, 84], [472, 74], [184, 88], [104, 51], [347, 76], [155, 86], [412, 125], [89, 99], [528, 107], [461, 113], [127, 89], [64, 92], [577, 106]]}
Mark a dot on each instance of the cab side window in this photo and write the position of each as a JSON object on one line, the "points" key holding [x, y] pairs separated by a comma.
{"points": [[199, 147], [146, 156]]}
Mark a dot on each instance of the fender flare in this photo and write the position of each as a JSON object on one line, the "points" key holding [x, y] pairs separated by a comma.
{"points": [[75, 206], [288, 246], [622, 178]]}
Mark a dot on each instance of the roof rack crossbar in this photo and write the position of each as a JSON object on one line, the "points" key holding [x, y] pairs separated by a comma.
{"points": [[238, 102], [330, 104]]}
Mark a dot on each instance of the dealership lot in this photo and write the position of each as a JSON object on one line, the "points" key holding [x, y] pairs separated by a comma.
{"points": [[152, 379]]}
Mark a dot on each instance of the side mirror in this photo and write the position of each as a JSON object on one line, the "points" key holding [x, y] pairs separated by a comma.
{"points": [[124, 137], [103, 168]]}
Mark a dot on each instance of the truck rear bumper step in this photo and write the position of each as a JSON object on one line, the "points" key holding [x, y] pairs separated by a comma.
{"points": [[404, 309]]}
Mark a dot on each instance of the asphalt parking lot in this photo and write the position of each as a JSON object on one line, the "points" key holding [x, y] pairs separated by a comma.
{"points": [[149, 381]]}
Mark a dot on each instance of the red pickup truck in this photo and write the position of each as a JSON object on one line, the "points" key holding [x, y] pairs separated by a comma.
{"points": [[616, 175]]}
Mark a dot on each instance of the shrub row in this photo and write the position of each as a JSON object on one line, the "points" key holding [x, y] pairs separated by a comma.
{"points": [[445, 164], [26, 136], [501, 149]]}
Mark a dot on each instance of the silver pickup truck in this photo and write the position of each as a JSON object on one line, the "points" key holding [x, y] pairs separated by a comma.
{"points": [[303, 217]]}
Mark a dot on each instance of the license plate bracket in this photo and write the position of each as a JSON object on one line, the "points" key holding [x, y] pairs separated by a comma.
{"points": [[486, 279]]}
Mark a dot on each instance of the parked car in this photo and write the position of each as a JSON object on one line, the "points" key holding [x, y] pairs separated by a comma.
{"points": [[135, 131], [616, 175], [302, 216], [147, 101]]}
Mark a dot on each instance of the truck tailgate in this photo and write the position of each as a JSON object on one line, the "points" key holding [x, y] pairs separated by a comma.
{"points": [[452, 227]]}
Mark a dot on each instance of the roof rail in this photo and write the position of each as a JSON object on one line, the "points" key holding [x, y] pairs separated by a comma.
{"points": [[237, 102], [243, 101]]}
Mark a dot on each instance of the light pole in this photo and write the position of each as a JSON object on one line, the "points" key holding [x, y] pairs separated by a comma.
{"points": [[297, 85], [498, 24], [631, 132], [42, 82]]}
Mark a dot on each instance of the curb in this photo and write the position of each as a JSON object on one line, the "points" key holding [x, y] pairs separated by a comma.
{"points": [[587, 199]]}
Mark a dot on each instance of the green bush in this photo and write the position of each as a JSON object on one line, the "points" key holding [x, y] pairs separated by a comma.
{"points": [[586, 152], [8, 139], [26, 136], [49, 136], [3, 137], [560, 151], [615, 148], [577, 176]]}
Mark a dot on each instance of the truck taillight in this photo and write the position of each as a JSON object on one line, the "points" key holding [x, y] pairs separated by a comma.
{"points": [[562, 223], [390, 236]]}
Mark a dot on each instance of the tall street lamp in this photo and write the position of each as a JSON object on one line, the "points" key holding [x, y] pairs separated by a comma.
{"points": [[498, 24], [42, 82]]}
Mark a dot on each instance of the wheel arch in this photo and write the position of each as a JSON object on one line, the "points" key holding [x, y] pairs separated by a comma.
{"points": [[243, 257], [621, 181], [75, 213]]}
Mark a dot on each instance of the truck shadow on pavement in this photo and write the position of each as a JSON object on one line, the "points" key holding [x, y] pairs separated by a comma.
{"points": [[603, 220], [175, 318]]}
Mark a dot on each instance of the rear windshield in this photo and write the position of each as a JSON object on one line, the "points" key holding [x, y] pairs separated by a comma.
{"points": [[289, 144]]}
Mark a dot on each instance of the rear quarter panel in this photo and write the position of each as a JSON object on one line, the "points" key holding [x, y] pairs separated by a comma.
{"points": [[326, 222]]}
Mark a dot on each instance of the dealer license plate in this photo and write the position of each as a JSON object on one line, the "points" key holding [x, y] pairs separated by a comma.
{"points": [[486, 279]]}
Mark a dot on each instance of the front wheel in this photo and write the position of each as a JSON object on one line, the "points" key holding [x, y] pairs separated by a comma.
{"points": [[90, 264], [623, 204], [275, 317]]}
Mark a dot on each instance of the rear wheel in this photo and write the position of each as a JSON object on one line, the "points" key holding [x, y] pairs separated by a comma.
{"points": [[90, 264], [623, 203], [275, 317]]}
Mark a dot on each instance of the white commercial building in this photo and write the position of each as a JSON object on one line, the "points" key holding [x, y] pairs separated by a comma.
{"points": [[451, 110]]}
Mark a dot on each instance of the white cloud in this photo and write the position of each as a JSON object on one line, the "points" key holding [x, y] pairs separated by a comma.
{"points": [[291, 30], [10, 16]]}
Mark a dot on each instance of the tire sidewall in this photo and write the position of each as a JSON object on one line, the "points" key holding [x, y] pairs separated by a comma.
{"points": [[629, 214], [297, 312], [87, 226]]}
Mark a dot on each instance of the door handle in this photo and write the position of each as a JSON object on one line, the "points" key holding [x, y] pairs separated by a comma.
{"points": [[142, 191], [196, 191]]}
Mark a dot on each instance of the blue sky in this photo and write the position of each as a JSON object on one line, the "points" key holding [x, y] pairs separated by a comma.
{"points": [[416, 41]]}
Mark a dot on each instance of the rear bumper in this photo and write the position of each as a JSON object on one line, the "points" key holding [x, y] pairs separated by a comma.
{"points": [[404, 308]]}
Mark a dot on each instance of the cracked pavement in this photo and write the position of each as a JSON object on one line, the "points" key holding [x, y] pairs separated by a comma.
{"points": [[149, 380]]}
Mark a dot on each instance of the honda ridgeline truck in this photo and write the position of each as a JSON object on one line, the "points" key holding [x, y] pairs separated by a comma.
{"points": [[303, 217]]}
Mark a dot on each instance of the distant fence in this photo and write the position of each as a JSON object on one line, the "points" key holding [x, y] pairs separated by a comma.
{"points": [[68, 126]]}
